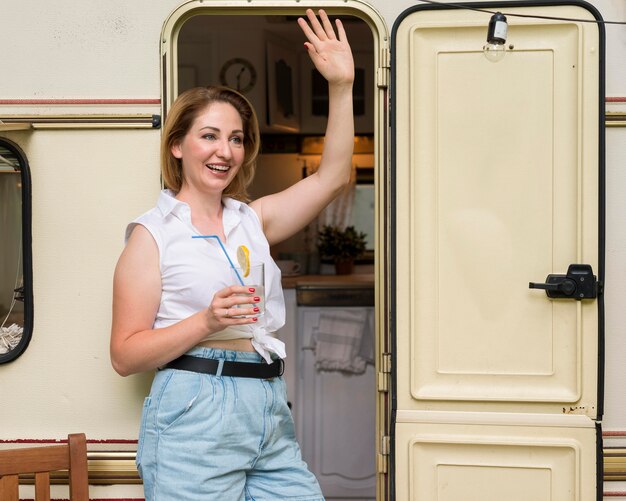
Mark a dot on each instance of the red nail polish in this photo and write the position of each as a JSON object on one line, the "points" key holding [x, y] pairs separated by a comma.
{"points": [[251, 289], [254, 319], [256, 299], [256, 310]]}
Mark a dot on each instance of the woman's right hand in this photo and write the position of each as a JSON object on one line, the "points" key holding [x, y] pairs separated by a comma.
{"points": [[226, 308]]}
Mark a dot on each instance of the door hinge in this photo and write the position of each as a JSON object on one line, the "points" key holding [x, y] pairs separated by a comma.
{"points": [[385, 58], [384, 372], [382, 72], [382, 462], [383, 382], [385, 363], [382, 458], [385, 445]]}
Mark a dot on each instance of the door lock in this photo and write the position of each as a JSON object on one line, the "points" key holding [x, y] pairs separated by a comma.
{"points": [[579, 283]]}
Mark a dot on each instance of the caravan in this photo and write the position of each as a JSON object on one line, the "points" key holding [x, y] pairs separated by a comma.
{"points": [[497, 238]]}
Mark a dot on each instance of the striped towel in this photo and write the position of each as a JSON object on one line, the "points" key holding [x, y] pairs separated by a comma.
{"points": [[344, 340]]}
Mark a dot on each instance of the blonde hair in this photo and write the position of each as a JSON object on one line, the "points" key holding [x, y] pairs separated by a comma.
{"points": [[181, 116]]}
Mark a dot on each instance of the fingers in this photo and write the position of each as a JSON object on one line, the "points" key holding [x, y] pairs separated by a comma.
{"points": [[225, 317], [235, 305], [341, 31], [328, 27], [306, 30], [316, 25], [234, 289], [234, 296], [237, 311], [316, 31]]}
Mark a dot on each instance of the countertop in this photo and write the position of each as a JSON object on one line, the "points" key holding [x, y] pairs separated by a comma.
{"points": [[340, 281]]}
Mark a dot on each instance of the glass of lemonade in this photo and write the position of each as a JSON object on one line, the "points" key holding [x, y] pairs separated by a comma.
{"points": [[255, 278]]}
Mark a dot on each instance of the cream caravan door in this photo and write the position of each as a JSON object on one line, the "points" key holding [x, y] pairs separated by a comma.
{"points": [[498, 183]]}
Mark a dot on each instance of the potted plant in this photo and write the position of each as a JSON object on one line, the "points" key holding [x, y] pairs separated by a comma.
{"points": [[342, 246]]}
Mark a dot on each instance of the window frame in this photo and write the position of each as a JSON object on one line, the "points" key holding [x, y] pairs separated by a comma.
{"points": [[27, 254]]}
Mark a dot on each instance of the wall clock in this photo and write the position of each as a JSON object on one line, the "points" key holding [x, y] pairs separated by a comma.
{"points": [[238, 74]]}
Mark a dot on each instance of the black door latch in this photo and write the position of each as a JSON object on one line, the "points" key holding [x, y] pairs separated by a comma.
{"points": [[579, 283]]}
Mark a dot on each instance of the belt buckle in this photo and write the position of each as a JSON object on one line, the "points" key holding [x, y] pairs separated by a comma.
{"points": [[281, 362]]}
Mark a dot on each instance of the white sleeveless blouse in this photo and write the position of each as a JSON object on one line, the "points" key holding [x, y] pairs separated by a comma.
{"points": [[194, 269]]}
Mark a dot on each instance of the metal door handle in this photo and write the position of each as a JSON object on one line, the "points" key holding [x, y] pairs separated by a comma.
{"points": [[560, 284], [579, 283]]}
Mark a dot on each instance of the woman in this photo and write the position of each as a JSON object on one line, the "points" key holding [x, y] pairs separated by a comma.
{"points": [[216, 422]]}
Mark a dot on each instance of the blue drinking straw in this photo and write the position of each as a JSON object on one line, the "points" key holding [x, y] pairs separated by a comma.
{"points": [[225, 253]]}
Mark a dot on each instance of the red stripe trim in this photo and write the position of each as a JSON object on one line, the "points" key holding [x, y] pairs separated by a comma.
{"points": [[616, 99], [614, 494], [616, 433], [80, 101], [62, 441]]}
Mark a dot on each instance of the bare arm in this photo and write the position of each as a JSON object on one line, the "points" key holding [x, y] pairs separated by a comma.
{"points": [[135, 345], [288, 211]]}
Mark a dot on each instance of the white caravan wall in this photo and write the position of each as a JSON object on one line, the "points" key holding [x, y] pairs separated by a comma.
{"points": [[88, 184], [69, 49]]}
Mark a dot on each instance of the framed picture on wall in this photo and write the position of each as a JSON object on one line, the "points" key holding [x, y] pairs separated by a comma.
{"points": [[314, 95], [282, 92]]}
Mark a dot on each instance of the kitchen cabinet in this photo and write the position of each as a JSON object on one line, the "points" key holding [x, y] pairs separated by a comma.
{"points": [[335, 417], [315, 289]]}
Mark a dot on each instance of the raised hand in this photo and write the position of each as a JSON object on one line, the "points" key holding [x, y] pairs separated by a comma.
{"points": [[287, 212], [329, 52]]}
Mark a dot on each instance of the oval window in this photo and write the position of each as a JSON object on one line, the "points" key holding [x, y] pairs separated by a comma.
{"points": [[16, 297]]}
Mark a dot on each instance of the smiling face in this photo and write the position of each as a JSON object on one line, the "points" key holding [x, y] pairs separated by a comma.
{"points": [[212, 151]]}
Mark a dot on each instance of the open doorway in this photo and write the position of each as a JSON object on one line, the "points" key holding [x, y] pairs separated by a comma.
{"points": [[271, 68], [334, 410]]}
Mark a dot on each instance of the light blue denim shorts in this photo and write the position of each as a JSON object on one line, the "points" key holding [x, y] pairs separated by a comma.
{"points": [[206, 437]]}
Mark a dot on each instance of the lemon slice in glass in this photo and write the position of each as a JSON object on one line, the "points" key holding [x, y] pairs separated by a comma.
{"points": [[243, 258]]}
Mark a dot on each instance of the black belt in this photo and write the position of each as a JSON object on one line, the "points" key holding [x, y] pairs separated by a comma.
{"points": [[234, 369]]}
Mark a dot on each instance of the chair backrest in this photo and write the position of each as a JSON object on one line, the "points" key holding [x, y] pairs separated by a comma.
{"points": [[41, 461]]}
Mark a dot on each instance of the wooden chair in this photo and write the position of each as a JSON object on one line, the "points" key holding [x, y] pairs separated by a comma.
{"points": [[41, 461]]}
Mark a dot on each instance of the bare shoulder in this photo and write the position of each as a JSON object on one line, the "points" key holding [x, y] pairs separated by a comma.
{"points": [[140, 254], [140, 234]]}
